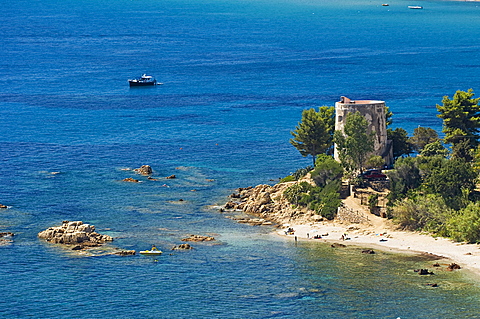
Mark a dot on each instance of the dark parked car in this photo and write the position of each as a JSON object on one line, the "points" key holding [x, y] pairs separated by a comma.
{"points": [[373, 175]]}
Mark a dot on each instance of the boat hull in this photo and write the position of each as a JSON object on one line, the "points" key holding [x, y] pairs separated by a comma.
{"points": [[136, 83], [151, 252]]}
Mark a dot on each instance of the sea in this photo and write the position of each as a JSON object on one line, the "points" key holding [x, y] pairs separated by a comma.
{"points": [[236, 77]]}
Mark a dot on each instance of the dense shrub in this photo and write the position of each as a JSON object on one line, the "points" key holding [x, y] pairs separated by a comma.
{"points": [[465, 225], [451, 180], [423, 212], [295, 193], [298, 174], [327, 169], [288, 178], [324, 201], [405, 177]]}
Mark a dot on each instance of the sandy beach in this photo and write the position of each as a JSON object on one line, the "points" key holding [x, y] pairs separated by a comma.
{"points": [[380, 233]]}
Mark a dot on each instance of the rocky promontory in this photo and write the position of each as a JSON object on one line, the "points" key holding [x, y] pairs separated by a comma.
{"points": [[74, 233], [269, 204]]}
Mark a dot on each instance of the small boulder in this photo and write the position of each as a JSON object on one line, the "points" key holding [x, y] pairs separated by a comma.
{"points": [[171, 177], [453, 266], [368, 251], [144, 170], [424, 272], [182, 247], [3, 206]]}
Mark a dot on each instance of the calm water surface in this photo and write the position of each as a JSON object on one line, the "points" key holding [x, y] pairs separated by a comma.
{"points": [[237, 75]]}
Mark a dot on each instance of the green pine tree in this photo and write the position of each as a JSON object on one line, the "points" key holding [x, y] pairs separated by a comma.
{"points": [[312, 135]]}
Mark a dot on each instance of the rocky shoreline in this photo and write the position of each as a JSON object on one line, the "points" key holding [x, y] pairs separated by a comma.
{"points": [[354, 225], [269, 205]]}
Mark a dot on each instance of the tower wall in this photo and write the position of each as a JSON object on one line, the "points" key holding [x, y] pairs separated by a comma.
{"points": [[374, 113]]}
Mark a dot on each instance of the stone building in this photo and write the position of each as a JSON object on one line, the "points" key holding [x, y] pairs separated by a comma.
{"points": [[374, 112]]}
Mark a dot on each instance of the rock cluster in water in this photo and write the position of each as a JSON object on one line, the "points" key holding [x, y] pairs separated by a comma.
{"points": [[6, 238], [182, 246], [144, 170], [74, 233], [198, 238]]}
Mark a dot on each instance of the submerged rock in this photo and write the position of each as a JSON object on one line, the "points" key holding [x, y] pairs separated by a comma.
{"points": [[453, 266], [131, 180], [6, 234], [198, 238], [6, 238], [125, 252], [368, 251], [423, 272]]}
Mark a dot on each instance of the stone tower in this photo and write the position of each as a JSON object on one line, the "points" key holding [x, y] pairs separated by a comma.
{"points": [[374, 112]]}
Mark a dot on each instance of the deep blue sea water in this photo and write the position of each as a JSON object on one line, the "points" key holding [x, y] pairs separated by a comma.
{"points": [[237, 75]]}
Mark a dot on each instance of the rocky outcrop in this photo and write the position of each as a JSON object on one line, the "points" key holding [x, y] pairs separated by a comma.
{"points": [[6, 234], [198, 238], [182, 247], [125, 252], [269, 204], [171, 177], [6, 238], [144, 170], [74, 233]]}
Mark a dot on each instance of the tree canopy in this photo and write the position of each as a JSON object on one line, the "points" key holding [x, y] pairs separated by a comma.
{"points": [[312, 136], [461, 118], [423, 136], [401, 143], [355, 143]]}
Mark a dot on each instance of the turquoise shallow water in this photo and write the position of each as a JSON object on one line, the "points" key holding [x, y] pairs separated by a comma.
{"points": [[236, 77]]}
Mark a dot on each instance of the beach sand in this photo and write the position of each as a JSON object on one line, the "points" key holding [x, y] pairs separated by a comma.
{"points": [[382, 234]]}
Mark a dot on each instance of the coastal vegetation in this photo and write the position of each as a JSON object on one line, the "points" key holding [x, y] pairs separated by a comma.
{"points": [[314, 134], [433, 183]]}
